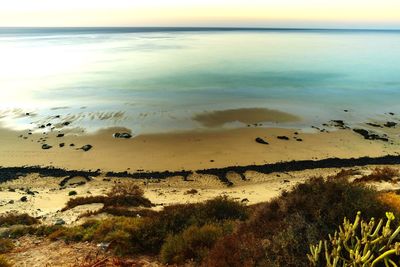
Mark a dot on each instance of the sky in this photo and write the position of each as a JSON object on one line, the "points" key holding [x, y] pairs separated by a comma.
{"points": [[228, 13]]}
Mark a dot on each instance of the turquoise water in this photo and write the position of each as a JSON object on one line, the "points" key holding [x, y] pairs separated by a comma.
{"points": [[159, 78]]}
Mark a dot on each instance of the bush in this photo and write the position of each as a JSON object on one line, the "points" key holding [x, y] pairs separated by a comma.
{"points": [[6, 245], [286, 225], [192, 244], [119, 196], [72, 193], [174, 219], [17, 219], [385, 174], [391, 199], [129, 235], [4, 262], [126, 190], [236, 250]]}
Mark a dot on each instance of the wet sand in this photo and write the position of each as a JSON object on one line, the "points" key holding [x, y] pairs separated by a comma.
{"points": [[185, 150], [244, 115]]}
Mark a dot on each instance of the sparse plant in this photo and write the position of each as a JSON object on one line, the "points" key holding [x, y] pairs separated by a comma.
{"points": [[192, 244], [361, 243], [6, 245], [4, 262], [385, 174], [17, 219]]}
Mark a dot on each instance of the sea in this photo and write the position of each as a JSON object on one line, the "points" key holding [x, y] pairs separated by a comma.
{"points": [[157, 79]]}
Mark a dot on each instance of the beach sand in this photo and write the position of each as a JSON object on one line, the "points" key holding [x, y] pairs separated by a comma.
{"points": [[184, 150]]}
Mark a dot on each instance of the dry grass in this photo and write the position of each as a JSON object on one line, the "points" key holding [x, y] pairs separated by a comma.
{"points": [[126, 195], [344, 174], [17, 219], [391, 199], [385, 174]]}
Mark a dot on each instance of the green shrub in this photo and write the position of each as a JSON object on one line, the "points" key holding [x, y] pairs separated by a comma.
{"points": [[288, 224], [361, 243], [17, 219], [174, 219], [72, 193], [192, 244]]}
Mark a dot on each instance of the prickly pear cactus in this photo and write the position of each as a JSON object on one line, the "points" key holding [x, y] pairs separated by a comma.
{"points": [[361, 243]]}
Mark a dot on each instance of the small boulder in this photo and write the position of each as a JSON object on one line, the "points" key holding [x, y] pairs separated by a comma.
{"points": [[261, 141], [46, 146], [86, 147], [390, 124], [122, 135], [24, 199], [282, 137]]}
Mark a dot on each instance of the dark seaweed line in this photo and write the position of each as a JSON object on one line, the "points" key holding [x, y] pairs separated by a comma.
{"points": [[9, 173]]}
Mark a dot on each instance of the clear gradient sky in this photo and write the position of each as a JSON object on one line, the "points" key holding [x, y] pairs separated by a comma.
{"points": [[258, 13]]}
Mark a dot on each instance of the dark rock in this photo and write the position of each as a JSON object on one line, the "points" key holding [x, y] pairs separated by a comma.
{"points": [[245, 200], [42, 126], [282, 137], [346, 110], [66, 123], [62, 144], [48, 125], [122, 135], [27, 114], [374, 125], [46, 146], [24, 199], [11, 202], [296, 133], [391, 113], [299, 140], [72, 145], [370, 136], [362, 132], [390, 124], [59, 221], [339, 124], [286, 181], [86, 147], [60, 135], [261, 141]]}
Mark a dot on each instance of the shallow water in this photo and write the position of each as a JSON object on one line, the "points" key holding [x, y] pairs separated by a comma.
{"points": [[159, 78]]}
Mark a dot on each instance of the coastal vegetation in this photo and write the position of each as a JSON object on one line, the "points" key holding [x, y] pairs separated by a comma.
{"points": [[225, 232]]}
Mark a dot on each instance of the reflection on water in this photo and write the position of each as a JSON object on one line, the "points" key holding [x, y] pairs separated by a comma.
{"points": [[171, 75]]}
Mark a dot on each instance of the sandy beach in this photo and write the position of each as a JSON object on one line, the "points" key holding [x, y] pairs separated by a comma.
{"points": [[51, 163], [189, 150]]}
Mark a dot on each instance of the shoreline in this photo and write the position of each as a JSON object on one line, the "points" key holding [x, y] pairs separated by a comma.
{"points": [[192, 150]]}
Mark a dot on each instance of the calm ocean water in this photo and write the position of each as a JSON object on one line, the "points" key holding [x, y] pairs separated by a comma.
{"points": [[156, 79]]}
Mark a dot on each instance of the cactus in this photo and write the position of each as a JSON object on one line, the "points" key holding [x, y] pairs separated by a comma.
{"points": [[359, 243]]}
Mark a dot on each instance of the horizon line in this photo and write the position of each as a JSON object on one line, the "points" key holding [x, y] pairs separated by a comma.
{"points": [[202, 28]]}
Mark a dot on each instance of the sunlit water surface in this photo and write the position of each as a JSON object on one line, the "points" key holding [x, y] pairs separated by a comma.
{"points": [[157, 79]]}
